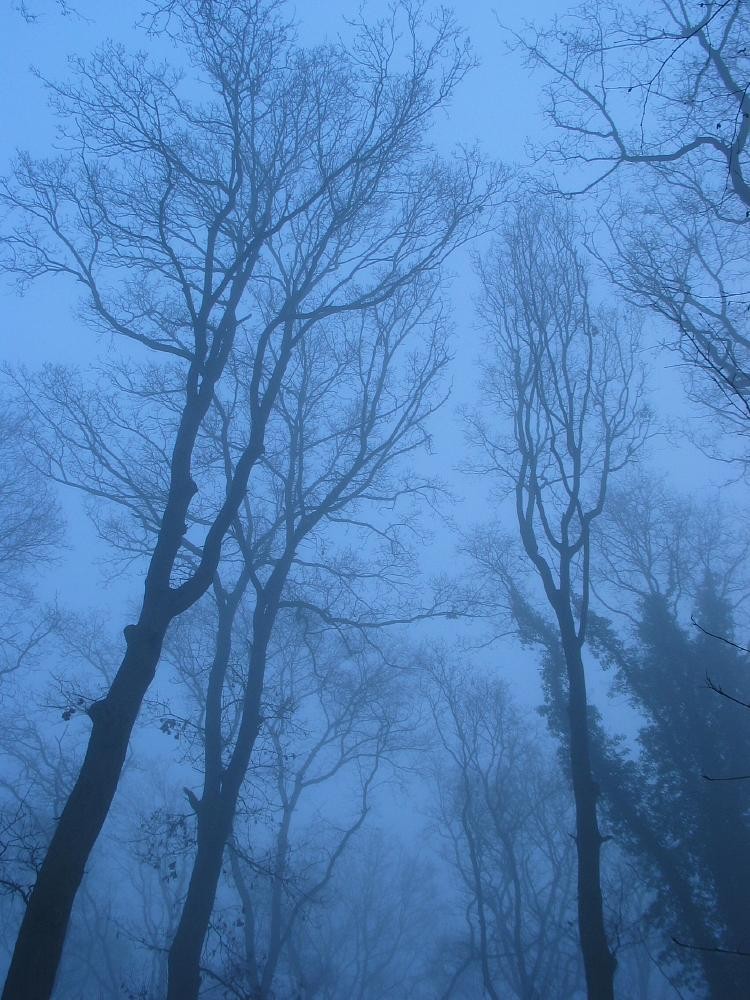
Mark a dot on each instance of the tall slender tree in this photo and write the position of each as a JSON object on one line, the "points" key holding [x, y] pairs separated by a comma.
{"points": [[353, 405], [280, 187], [566, 379]]}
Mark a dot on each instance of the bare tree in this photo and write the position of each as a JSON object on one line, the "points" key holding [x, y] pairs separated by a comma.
{"points": [[372, 937], [31, 519], [566, 378], [31, 529], [31, 13], [352, 407], [666, 87], [286, 187], [651, 109], [654, 542], [339, 719], [504, 816]]}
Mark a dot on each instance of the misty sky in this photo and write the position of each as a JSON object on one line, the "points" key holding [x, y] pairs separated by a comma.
{"points": [[497, 108]]}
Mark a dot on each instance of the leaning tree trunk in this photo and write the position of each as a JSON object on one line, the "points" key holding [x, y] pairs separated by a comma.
{"points": [[598, 961], [215, 816], [41, 937]]}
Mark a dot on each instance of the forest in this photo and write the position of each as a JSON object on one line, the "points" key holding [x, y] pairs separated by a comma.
{"points": [[374, 461]]}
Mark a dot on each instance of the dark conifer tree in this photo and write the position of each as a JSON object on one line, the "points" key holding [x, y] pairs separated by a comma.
{"points": [[683, 806]]}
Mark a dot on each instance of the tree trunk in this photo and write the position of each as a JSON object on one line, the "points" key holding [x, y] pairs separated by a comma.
{"points": [[279, 873], [39, 945], [215, 819], [722, 828], [41, 937], [214, 827], [484, 950], [598, 961]]}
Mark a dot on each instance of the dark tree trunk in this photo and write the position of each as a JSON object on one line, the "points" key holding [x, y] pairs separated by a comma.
{"points": [[39, 945], [214, 827], [215, 818], [598, 961]]}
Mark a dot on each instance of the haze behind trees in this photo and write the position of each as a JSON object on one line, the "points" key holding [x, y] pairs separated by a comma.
{"points": [[312, 761]]}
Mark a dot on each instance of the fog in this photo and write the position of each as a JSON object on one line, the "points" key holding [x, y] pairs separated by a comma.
{"points": [[373, 489]]}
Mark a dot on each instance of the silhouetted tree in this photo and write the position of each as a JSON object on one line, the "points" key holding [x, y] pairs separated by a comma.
{"points": [[566, 379], [677, 802], [31, 530], [339, 721], [352, 407], [279, 188], [652, 113]]}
